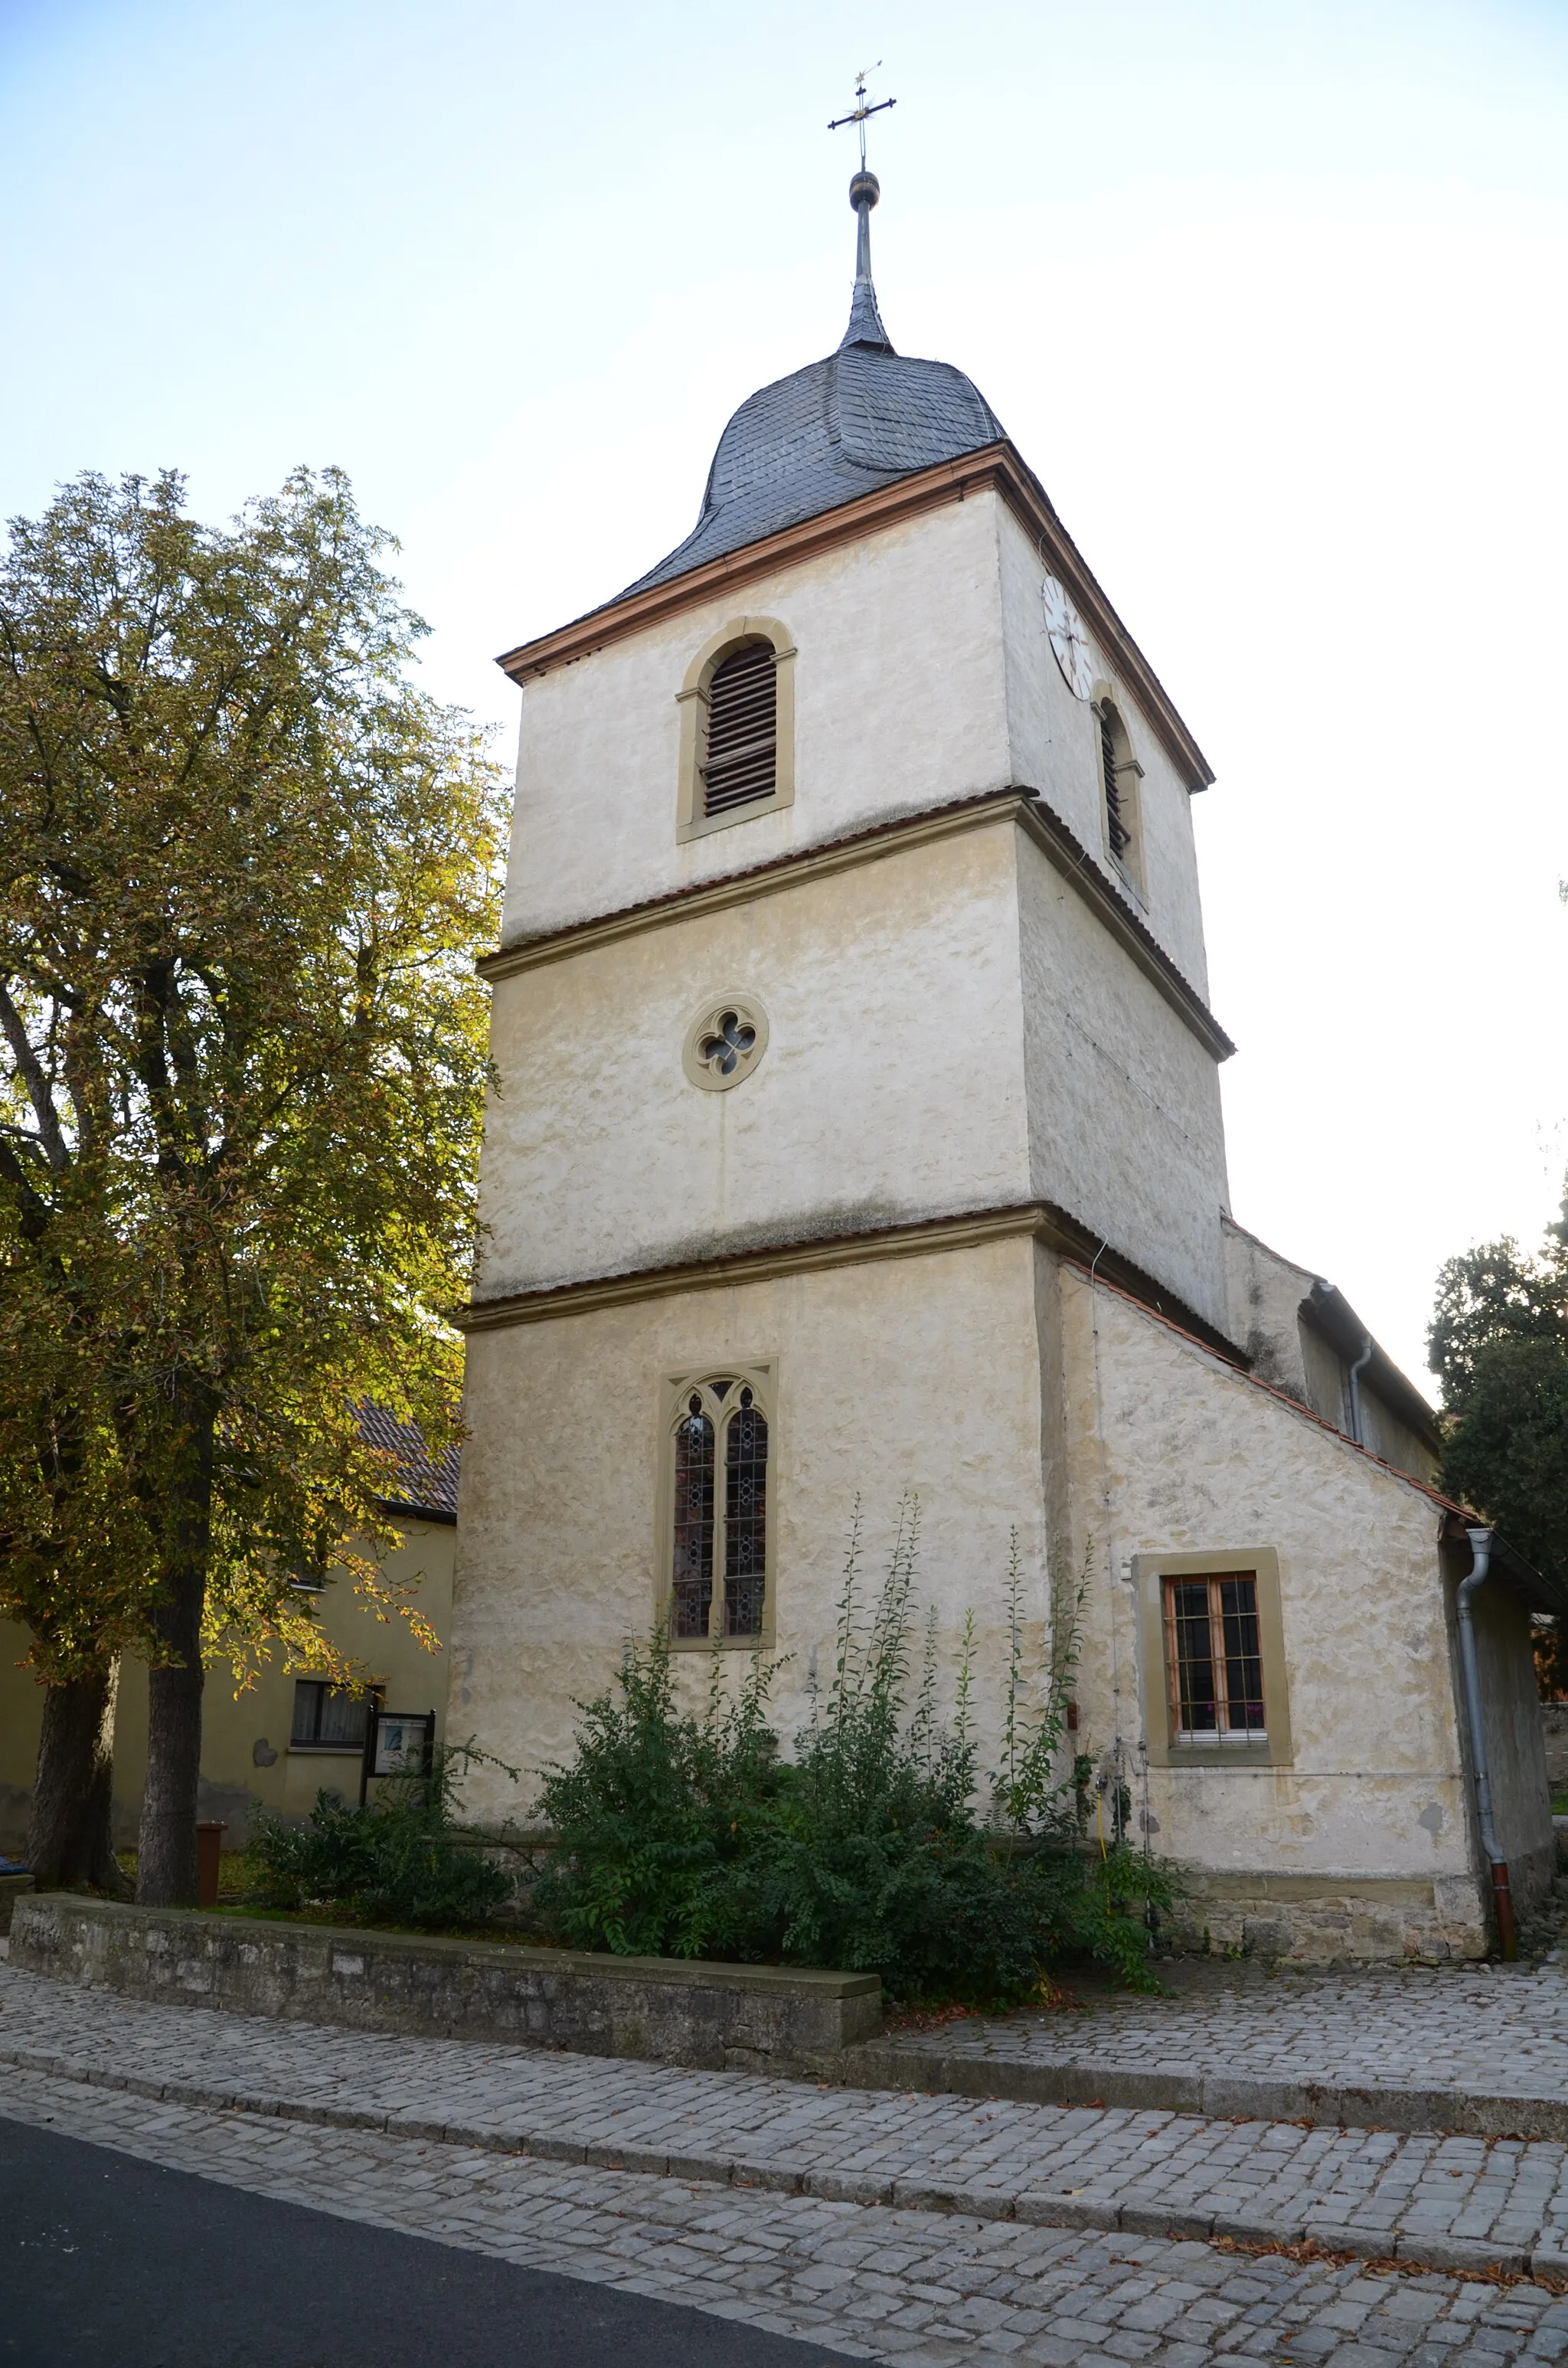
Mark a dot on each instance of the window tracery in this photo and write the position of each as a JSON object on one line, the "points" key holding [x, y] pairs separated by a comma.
{"points": [[717, 1540]]}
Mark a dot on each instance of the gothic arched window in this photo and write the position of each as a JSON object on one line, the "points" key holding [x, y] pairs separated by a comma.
{"points": [[716, 1547]]}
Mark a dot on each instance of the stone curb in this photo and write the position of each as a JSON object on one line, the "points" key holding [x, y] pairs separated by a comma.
{"points": [[1220, 2096], [1035, 2207]]}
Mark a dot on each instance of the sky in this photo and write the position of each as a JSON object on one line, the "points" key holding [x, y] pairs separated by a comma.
{"points": [[1269, 293]]}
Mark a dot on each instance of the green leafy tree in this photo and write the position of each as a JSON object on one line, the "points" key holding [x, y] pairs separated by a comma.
{"points": [[1499, 1341], [247, 865]]}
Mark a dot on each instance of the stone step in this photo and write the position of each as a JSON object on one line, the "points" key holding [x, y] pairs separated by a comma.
{"points": [[1476, 2049]]}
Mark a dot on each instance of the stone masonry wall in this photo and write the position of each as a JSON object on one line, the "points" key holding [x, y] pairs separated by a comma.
{"points": [[740, 2017]]}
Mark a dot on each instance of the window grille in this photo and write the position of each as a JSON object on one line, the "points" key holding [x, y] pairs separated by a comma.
{"points": [[328, 1717], [1121, 837], [692, 1605], [742, 761], [719, 1534], [1214, 1659]]}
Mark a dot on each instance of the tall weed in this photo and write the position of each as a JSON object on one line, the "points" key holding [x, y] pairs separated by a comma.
{"points": [[692, 1837]]}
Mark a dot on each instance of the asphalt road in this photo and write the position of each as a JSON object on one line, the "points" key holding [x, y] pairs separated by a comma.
{"points": [[109, 2262]]}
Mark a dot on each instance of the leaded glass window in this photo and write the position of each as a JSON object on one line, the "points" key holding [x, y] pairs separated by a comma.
{"points": [[692, 1602], [745, 1518], [719, 1510]]}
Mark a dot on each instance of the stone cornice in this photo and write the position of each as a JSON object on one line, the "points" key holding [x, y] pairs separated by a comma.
{"points": [[967, 1229], [1019, 806], [999, 468]]}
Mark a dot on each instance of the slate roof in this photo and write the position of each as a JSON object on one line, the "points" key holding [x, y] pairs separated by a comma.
{"points": [[421, 1484], [863, 418]]}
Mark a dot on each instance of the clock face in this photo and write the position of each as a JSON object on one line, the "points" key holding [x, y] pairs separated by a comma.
{"points": [[1068, 639]]}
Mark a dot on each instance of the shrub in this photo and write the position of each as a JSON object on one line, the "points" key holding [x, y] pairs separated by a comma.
{"points": [[689, 1837], [403, 1860]]}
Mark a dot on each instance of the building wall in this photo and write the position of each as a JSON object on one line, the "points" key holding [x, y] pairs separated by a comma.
{"points": [[898, 705], [1366, 1838], [1265, 1293], [892, 1087], [920, 1372], [246, 1755], [1516, 1750], [1125, 1124], [1054, 749]]}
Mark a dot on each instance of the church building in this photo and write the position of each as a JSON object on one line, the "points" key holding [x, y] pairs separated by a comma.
{"points": [[858, 1131]]}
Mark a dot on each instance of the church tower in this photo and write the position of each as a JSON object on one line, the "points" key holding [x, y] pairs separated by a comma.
{"points": [[857, 1125]]}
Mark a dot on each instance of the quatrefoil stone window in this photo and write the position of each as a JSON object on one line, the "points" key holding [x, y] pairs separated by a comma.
{"points": [[725, 1041]]}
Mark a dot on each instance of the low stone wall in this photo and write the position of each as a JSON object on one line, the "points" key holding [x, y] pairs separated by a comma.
{"points": [[751, 2017], [1311, 1919]]}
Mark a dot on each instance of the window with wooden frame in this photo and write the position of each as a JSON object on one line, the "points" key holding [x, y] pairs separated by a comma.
{"points": [[329, 1717], [737, 732], [1214, 1658], [716, 1537]]}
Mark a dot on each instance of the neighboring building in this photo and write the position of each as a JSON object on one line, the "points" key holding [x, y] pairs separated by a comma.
{"points": [[858, 1128], [288, 1736]]}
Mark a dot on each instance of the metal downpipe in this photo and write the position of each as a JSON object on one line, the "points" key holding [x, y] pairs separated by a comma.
{"points": [[1502, 1895]]}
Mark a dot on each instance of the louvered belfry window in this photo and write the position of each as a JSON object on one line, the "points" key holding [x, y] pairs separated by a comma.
{"points": [[1121, 837], [741, 763]]}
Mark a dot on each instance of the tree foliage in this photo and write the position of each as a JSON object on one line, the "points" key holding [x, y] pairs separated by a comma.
{"points": [[1499, 1340], [246, 868]]}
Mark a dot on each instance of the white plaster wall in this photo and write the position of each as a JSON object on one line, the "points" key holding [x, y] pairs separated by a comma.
{"points": [[1054, 749], [1197, 1457], [1263, 1293], [919, 1373], [891, 1087], [898, 705], [1125, 1125]]}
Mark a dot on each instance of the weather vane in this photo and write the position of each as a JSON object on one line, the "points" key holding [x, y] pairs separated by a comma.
{"points": [[861, 109]]}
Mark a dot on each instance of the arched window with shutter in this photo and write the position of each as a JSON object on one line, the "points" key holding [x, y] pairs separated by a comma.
{"points": [[715, 1549], [741, 762], [1119, 775], [738, 703]]}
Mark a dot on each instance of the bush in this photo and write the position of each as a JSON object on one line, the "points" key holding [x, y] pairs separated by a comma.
{"points": [[404, 1860], [689, 1837]]}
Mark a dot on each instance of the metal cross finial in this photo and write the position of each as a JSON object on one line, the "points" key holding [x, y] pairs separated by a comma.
{"points": [[861, 109]]}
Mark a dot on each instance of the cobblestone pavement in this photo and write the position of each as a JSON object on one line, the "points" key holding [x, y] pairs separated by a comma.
{"points": [[915, 2288], [1444, 2202], [1489, 2030]]}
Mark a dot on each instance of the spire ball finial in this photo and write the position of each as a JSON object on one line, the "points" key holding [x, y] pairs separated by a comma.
{"points": [[864, 189]]}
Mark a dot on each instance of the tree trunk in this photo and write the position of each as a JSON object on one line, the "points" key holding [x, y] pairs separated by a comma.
{"points": [[68, 1839], [166, 1873]]}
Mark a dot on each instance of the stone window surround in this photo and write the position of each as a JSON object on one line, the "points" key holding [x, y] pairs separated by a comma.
{"points": [[760, 1375], [1148, 1572], [750, 1013], [692, 701]]}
